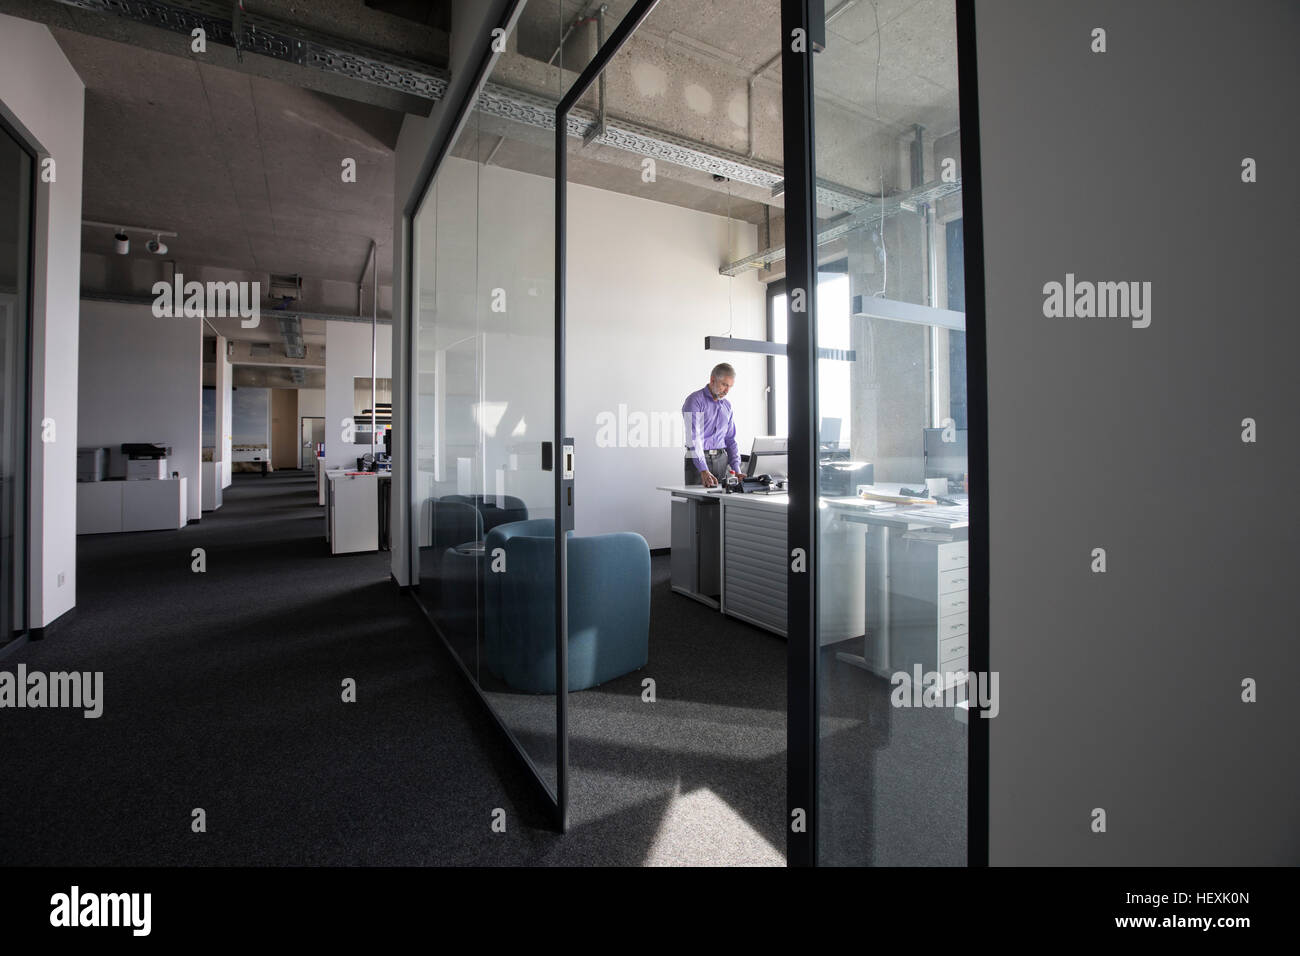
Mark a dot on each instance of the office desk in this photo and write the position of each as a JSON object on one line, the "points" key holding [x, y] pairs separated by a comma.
{"points": [[917, 586], [742, 571], [886, 576]]}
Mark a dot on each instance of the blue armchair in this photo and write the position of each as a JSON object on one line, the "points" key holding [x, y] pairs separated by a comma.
{"points": [[609, 606]]}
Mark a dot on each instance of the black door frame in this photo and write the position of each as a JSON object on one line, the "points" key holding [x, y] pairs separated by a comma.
{"points": [[22, 629], [801, 22]]}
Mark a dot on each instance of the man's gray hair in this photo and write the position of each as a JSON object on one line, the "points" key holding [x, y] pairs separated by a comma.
{"points": [[722, 370]]}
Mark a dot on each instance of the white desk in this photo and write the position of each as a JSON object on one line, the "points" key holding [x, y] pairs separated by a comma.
{"points": [[895, 611], [917, 585]]}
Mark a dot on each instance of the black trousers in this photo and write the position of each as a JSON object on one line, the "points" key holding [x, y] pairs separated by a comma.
{"points": [[716, 459]]}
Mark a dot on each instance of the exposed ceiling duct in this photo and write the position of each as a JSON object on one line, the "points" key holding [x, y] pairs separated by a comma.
{"points": [[643, 141], [281, 41], [291, 332], [284, 41], [864, 217]]}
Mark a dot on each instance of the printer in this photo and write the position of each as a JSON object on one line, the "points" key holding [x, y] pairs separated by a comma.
{"points": [[146, 460]]}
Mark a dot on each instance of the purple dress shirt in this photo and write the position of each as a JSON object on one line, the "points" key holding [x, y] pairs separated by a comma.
{"points": [[709, 425]]}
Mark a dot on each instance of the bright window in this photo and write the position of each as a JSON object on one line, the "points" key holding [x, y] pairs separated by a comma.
{"points": [[833, 392]]}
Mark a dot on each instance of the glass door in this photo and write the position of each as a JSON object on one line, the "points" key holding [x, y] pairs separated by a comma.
{"points": [[16, 188], [484, 397], [312, 437], [876, 377]]}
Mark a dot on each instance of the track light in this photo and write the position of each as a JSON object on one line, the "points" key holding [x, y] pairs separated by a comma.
{"points": [[122, 241]]}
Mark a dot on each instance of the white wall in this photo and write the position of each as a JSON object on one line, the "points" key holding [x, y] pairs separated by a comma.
{"points": [[140, 379], [225, 376], [222, 451], [42, 98], [643, 292], [347, 356], [311, 402]]}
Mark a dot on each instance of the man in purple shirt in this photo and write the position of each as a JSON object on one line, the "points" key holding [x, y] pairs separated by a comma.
{"points": [[710, 431]]}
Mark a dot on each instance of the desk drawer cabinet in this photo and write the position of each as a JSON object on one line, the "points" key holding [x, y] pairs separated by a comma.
{"points": [[929, 605], [754, 565]]}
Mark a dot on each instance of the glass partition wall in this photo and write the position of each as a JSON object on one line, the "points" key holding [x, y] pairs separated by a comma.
{"points": [[871, 390], [483, 293], [880, 489]]}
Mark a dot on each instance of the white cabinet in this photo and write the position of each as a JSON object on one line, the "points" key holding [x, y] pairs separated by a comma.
{"points": [[154, 505], [108, 506], [929, 609], [99, 506], [353, 513]]}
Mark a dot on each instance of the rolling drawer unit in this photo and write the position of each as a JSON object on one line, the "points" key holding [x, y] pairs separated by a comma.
{"points": [[754, 562], [929, 606], [697, 548]]}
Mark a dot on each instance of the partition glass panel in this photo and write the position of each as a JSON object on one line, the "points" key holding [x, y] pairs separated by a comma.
{"points": [[892, 581], [15, 237], [483, 295]]}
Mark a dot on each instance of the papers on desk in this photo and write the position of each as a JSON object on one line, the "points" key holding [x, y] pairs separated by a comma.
{"points": [[896, 499], [950, 517]]}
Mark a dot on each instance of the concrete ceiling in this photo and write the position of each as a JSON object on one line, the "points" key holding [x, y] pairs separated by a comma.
{"points": [[313, 330], [246, 170], [687, 72], [414, 30], [243, 159]]}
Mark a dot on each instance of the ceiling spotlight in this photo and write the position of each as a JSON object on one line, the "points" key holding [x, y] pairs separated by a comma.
{"points": [[156, 246], [121, 244]]}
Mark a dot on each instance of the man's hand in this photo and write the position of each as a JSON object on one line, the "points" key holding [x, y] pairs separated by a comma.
{"points": [[709, 478]]}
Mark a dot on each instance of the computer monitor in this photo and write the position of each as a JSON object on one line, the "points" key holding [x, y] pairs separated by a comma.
{"points": [[768, 456], [830, 431], [945, 459]]}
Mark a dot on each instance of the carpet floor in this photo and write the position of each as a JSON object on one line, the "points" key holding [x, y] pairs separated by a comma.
{"points": [[223, 693]]}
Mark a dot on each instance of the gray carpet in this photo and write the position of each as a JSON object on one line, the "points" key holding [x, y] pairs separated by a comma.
{"points": [[222, 692]]}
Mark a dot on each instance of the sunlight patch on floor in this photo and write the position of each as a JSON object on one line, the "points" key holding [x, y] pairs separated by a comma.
{"points": [[699, 829]]}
